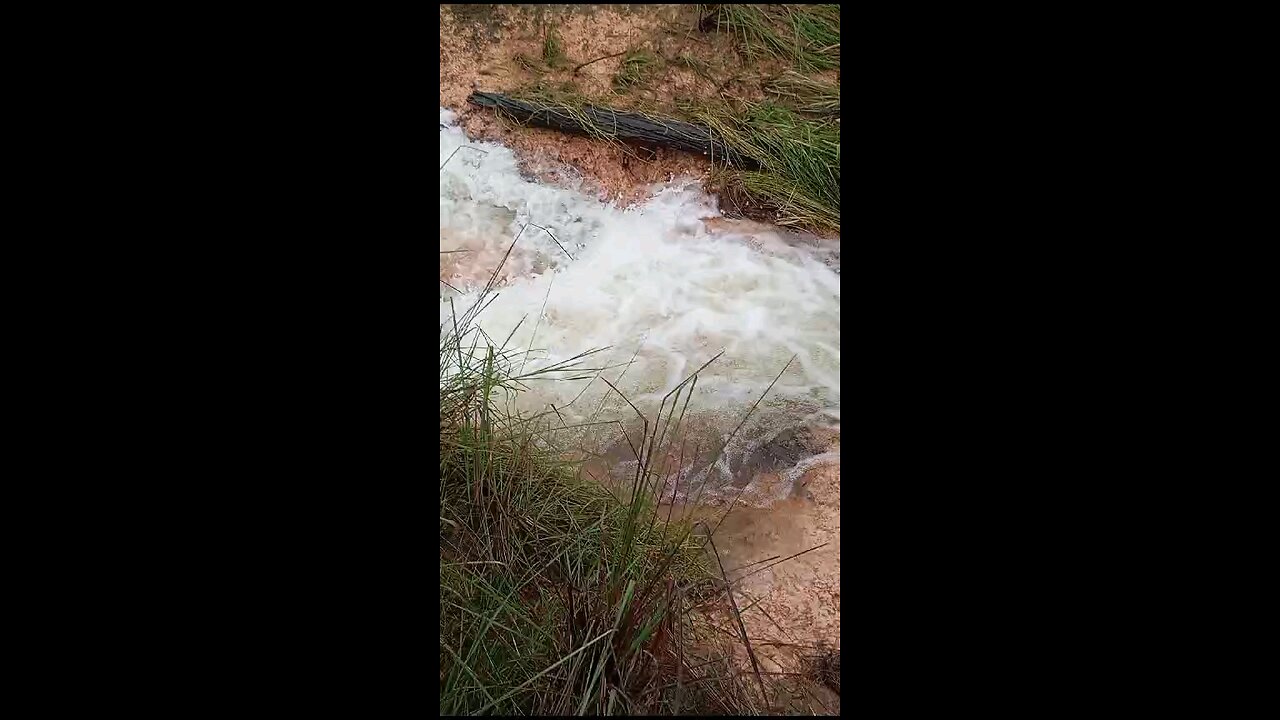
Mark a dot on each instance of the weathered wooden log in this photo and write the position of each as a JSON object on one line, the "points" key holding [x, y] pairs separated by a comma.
{"points": [[631, 127]]}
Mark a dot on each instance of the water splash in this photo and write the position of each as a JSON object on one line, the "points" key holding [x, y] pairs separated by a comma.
{"points": [[653, 283]]}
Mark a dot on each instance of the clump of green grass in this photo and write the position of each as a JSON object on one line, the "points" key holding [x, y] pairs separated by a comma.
{"points": [[806, 35], [798, 180], [817, 29], [560, 595], [638, 68], [700, 67], [553, 49], [806, 94]]}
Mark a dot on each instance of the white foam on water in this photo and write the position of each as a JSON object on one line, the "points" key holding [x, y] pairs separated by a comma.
{"points": [[651, 281]]}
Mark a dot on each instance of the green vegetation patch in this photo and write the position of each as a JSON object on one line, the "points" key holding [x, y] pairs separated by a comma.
{"points": [[806, 35], [639, 68], [560, 595]]}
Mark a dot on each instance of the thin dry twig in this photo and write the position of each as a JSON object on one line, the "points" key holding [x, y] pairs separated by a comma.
{"points": [[603, 57]]}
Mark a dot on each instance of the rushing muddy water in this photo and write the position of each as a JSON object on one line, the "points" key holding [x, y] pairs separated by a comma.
{"points": [[665, 286]]}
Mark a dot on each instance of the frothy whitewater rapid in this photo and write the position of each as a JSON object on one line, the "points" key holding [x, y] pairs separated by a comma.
{"points": [[651, 281]]}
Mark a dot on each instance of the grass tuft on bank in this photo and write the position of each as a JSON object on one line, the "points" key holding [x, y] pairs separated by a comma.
{"points": [[798, 180], [559, 594], [808, 36]]}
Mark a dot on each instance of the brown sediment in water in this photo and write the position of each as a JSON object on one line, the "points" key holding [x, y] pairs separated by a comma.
{"points": [[771, 510], [792, 608]]}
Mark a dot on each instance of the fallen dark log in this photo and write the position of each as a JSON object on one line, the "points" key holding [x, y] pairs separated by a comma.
{"points": [[629, 127]]}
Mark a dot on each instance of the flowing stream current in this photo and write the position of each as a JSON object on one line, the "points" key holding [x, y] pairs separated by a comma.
{"points": [[665, 286]]}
